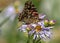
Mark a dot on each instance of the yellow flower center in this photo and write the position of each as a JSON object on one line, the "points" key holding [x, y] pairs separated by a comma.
{"points": [[38, 28]]}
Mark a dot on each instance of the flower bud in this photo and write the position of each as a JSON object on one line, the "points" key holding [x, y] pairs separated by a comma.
{"points": [[52, 22], [46, 22]]}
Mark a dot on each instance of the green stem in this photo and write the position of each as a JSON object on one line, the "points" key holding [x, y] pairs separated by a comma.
{"points": [[33, 40], [28, 41], [38, 40]]}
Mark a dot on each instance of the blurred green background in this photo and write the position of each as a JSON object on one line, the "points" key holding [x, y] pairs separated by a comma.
{"points": [[8, 20]]}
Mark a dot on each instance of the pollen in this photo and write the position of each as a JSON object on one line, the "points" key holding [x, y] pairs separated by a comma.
{"points": [[38, 28]]}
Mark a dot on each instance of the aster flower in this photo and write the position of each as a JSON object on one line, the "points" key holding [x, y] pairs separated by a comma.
{"points": [[38, 30], [42, 31]]}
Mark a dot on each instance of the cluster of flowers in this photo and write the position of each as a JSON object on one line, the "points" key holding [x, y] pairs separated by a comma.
{"points": [[41, 29]]}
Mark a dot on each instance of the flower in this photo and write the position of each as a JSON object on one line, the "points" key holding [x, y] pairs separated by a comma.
{"points": [[42, 32], [38, 30]]}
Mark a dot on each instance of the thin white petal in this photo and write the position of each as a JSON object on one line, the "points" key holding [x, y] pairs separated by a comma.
{"points": [[34, 25], [50, 27], [45, 29], [41, 16], [41, 32], [35, 36], [41, 23], [23, 28], [31, 32], [43, 37], [48, 34]]}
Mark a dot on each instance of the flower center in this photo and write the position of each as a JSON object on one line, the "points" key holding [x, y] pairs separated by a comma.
{"points": [[38, 28]]}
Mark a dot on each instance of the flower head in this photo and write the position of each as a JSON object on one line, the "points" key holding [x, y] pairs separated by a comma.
{"points": [[38, 30]]}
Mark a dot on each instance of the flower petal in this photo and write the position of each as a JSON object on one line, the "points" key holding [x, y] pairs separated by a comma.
{"points": [[35, 36], [45, 29], [42, 36], [48, 34], [31, 32], [23, 28], [41, 23], [50, 27], [34, 25], [41, 16]]}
